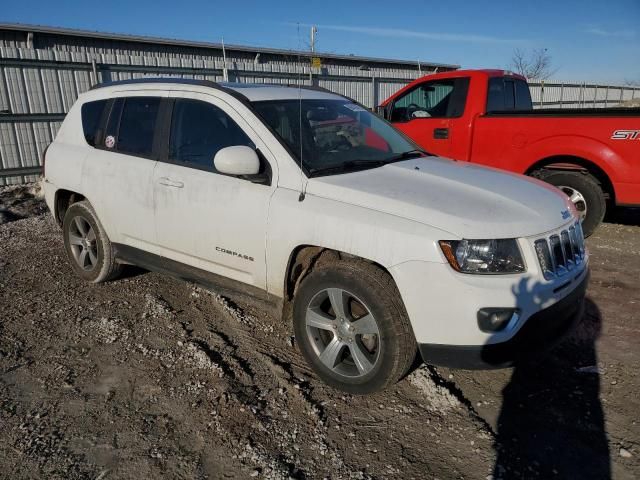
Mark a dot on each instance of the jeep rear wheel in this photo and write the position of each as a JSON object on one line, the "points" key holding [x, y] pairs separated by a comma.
{"points": [[87, 245], [586, 194], [352, 328]]}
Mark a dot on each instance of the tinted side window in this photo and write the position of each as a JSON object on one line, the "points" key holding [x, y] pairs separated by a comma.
{"points": [[137, 125], [508, 94], [199, 130], [91, 116], [495, 95], [523, 95]]}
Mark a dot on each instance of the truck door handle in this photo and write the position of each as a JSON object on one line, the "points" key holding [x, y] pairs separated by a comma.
{"points": [[441, 133], [170, 183]]}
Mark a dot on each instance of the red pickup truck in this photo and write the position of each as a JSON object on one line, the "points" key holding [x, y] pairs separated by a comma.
{"points": [[487, 117]]}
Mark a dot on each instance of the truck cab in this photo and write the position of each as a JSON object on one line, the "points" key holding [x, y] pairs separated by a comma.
{"points": [[487, 117]]}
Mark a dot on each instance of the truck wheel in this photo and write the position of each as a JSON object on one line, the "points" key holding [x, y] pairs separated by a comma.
{"points": [[352, 327], [586, 194], [87, 245]]}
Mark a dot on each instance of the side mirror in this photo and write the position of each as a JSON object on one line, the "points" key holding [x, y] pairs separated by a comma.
{"points": [[237, 160]]}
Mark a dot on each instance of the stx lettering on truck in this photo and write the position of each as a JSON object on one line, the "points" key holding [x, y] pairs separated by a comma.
{"points": [[626, 135]]}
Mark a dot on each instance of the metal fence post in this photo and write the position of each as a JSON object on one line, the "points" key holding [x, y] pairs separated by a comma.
{"points": [[94, 69], [562, 95], [374, 94]]}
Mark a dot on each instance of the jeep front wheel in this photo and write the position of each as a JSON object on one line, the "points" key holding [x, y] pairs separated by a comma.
{"points": [[352, 327]]}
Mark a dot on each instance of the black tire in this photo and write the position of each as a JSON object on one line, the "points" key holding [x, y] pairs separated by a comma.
{"points": [[590, 190], [90, 255], [371, 288]]}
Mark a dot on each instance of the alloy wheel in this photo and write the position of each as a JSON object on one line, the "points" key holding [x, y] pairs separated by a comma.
{"points": [[577, 199], [82, 239], [343, 332]]}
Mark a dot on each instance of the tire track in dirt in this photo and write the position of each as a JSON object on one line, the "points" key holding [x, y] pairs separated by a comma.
{"points": [[277, 376], [184, 372]]}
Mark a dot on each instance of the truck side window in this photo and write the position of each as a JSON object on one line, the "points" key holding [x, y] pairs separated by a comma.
{"points": [[199, 130], [91, 116], [523, 95], [495, 95], [508, 94], [138, 125], [435, 99]]}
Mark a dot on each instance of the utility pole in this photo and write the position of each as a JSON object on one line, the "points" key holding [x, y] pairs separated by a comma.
{"points": [[225, 72], [314, 30]]}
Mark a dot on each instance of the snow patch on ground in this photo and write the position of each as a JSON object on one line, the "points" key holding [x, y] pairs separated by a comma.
{"points": [[438, 398]]}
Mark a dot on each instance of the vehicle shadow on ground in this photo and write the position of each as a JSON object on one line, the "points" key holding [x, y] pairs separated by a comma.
{"points": [[132, 271], [624, 216], [551, 424]]}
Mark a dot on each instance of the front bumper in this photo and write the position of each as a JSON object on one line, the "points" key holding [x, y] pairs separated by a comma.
{"points": [[542, 331]]}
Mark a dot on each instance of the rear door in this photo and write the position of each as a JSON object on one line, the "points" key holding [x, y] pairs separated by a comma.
{"points": [[431, 114], [203, 218], [117, 174]]}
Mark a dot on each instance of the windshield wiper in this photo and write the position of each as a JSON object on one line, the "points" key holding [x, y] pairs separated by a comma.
{"points": [[348, 166], [354, 165], [407, 155]]}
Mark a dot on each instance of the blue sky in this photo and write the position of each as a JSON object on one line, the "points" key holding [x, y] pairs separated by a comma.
{"points": [[587, 39]]}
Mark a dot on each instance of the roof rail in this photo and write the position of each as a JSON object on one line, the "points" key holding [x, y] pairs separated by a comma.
{"points": [[136, 81], [225, 87]]}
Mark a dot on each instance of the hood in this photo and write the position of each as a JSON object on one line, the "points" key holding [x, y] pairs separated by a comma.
{"points": [[464, 199]]}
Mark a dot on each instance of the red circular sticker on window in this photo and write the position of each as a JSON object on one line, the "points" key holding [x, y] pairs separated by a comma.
{"points": [[110, 141]]}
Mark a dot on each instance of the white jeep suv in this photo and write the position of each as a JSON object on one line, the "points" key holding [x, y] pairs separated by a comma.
{"points": [[373, 248]]}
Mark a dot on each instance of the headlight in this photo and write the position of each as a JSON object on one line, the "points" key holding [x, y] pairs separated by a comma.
{"points": [[484, 256]]}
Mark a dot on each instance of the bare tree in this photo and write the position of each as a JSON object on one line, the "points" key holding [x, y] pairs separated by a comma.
{"points": [[533, 66]]}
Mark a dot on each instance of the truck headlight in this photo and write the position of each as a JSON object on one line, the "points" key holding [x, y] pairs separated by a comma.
{"points": [[484, 256]]}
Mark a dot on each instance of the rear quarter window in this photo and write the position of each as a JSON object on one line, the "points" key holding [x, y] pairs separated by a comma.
{"points": [[505, 94], [91, 115], [523, 96]]}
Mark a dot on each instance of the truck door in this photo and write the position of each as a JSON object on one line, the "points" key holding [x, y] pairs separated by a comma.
{"points": [[431, 114]]}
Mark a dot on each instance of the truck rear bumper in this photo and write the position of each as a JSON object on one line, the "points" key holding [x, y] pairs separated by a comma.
{"points": [[542, 331]]}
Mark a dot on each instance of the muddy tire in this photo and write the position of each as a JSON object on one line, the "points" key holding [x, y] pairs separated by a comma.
{"points": [[585, 192], [87, 246], [352, 327]]}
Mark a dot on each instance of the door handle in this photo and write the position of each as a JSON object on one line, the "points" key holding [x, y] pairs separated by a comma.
{"points": [[441, 133], [170, 183]]}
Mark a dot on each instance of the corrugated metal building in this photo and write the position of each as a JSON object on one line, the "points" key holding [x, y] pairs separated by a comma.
{"points": [[43, 69]]}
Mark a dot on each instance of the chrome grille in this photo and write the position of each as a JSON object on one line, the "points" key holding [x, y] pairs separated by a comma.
{"points": [[561, 252]]}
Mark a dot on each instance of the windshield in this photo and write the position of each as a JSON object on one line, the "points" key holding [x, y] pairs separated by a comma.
{"points": [[334, 136]]}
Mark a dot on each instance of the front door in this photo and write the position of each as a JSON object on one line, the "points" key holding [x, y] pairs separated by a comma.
{"points": [[429, 113], [205, 219]]}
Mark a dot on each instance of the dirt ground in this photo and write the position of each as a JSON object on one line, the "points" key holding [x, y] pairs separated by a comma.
{"points": [[151, 377]]}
